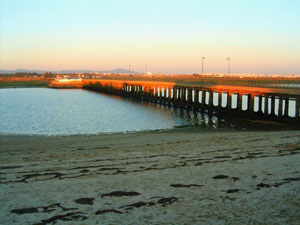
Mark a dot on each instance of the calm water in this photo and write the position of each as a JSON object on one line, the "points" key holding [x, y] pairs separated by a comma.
{"points": [[59, 112]]}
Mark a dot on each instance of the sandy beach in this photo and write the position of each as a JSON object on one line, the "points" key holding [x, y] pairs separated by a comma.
{"points": [[159, 177]]}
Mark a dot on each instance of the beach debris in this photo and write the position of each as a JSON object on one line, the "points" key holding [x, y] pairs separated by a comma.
{"points": [[223, 157], [163, 202], [235, 179], [167, 201], [232, 191], [286, 181], [185, 185], [25, 210], [120, 194], [85, 201], [107, 211], [29, 176], [138, 205], [220, 177], [9, 167], [255, 140], [292, 179], [262, 185]]}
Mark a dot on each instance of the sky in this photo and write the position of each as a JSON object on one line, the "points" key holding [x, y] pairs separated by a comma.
{"points": [[170, 36]]}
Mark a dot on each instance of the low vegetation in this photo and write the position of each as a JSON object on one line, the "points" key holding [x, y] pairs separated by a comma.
{"points": [[15, 84]]}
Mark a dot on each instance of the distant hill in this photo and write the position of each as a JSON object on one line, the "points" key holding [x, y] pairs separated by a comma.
{"points": [[123, 71], [119, 70], [22, 71]]}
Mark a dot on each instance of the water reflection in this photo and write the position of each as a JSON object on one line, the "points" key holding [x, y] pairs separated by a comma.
{"points": [[60, 112]]}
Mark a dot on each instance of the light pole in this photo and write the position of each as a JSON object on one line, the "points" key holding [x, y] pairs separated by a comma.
{"points": [[202, 64], [202, 68], [146, 67], [228, 65], [129, 66]]}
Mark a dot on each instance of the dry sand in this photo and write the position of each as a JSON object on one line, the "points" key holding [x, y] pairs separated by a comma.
{"points": [[168, 177]]}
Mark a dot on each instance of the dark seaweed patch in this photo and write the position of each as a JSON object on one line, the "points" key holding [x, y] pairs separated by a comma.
{"points": [[42, 209], [107, 211], [232, 191], [235, 179], [220, 177], [185, 185], [120, 194], [65, 217], [138, 205], [167, 201], [85, 201]]}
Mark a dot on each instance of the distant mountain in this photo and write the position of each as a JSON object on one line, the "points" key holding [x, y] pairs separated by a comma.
{"points": [[74, 71], [22, 71], [123, 71], [119, 70]]}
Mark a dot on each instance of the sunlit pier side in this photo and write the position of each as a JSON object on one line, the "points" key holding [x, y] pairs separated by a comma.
{"points": [[259, 103]]}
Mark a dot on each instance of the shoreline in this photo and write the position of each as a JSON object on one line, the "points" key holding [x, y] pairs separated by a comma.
{"points": [[272, 127], [177, 177]]}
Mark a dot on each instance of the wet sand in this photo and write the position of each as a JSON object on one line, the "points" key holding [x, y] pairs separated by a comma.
{"points": [[168, 177]]}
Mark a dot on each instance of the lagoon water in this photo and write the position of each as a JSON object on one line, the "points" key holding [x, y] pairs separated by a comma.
{"points": [[46, 111]]}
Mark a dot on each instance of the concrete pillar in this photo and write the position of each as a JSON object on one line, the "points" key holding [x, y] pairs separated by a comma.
{"points": [[174, 93], [297, 107], [272, 105], [153, 92], [141, 90], [190, 97], [166, 93], [266, 104], [145, 91], [286, 108], [150, 91], [279, 106], [211, 94], [196, 97], [175, 100], [259, 107], [182, 94], [220, 100], [135, 90], [250, 104], [142, 93], [239, 103], [203, 93], [229, 101]]}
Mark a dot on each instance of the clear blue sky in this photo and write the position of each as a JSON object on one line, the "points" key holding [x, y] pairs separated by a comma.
{"points": [[170, 36]]}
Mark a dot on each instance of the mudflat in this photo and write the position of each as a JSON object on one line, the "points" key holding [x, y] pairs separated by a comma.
{"points": [[158, 177]]}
